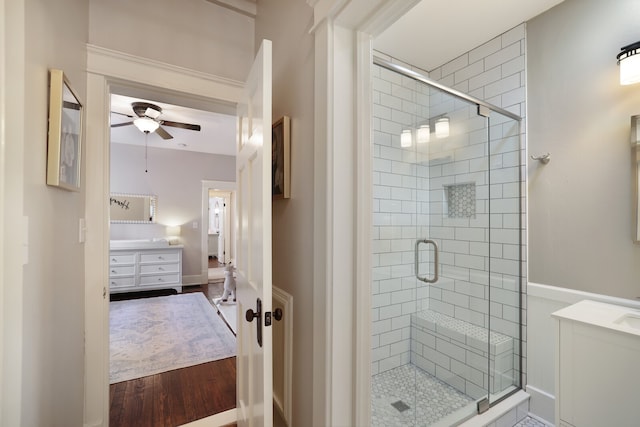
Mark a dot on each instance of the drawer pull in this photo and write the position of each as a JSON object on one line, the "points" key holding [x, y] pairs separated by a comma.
{"points": [[159, 279], [113, 283], [113, 259], [113, 271], [160, 257], [160, 269]]}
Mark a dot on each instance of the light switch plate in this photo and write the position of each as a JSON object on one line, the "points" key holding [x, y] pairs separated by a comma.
{"points": [[82, 230]]}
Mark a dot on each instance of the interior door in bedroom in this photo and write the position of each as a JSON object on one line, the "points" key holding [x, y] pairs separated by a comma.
{"points": [[253, 250]]}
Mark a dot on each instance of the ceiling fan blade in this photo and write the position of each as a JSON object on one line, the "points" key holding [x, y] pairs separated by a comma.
{"points": [[180, 125], [117, 125], [163, 133], [122, 114]]}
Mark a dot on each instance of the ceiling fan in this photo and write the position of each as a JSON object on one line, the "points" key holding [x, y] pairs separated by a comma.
{"points": [[147, 120]]}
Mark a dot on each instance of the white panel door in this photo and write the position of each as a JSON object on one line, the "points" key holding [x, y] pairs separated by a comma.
{"points": [[253, 252]]}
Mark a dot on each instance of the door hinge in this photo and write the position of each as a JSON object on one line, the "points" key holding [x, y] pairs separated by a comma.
{"points": [[483, 405]]}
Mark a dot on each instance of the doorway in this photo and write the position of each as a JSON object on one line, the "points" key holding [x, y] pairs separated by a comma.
{"points": [[175, 355], [218, 237], [103, 80]]}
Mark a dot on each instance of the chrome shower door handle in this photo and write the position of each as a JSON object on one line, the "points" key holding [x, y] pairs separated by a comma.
{"points": [[435, 260]]}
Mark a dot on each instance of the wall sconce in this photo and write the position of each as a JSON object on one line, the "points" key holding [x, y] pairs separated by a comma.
{"points": [[406, 138], [423, 134], [635, 153], [442, 127], [629, 62], [173, 234]]}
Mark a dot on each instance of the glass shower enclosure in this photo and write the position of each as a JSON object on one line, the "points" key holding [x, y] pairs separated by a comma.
{"points": [[447, 252]]}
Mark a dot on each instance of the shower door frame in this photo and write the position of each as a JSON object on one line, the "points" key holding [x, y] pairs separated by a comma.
{"points": [[343, 32], [364, 210]]}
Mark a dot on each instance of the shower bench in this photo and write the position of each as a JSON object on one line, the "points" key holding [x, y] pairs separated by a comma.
{"points": [[466, 356]]}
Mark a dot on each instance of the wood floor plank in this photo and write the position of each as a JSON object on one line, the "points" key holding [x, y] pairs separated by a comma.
{"points": [[175, 397]]}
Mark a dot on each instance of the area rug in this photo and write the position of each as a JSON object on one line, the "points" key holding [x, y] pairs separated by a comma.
{"points": [[153, 335], [227, 309]]}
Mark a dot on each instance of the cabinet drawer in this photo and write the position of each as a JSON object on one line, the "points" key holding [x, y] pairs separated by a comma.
{"points": [[120, 258], [159, 257], [159, 279], [121, 270], [159, 268], [121, 282]]}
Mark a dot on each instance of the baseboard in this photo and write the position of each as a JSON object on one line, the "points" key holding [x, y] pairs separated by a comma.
{"points": [[192, 280], [542, 404], [217, 420]]}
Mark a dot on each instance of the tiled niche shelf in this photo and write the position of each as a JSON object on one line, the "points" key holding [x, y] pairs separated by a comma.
{"points": [[460, 200]]}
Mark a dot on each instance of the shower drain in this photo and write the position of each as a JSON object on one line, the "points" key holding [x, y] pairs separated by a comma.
{"points": [[400, 406]]}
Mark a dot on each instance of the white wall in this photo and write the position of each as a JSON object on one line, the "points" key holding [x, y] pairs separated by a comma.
{"points": [[194, 34], [175, 176], [287, 24], [43, 315], [580, 215]]}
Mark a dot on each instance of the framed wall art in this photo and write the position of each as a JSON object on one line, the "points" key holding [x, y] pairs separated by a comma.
{"points": [[280, 159], [64, 146]]}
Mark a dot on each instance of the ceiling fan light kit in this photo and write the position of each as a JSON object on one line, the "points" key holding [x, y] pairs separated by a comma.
{"points": [[146, 124]]}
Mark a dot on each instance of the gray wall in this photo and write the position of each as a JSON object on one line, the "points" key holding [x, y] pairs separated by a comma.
{"points": [[194, 34], [175, 176], [287, 24], [580, 204], [42, 346]]}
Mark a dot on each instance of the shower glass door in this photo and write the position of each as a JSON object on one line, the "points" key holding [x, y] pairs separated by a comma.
{"points": [[506, 205], [447, 252], [432, 347]]}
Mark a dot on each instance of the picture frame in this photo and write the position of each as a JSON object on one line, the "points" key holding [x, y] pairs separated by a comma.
{"points": [[127, 208], [281, 160], [64, 142]]}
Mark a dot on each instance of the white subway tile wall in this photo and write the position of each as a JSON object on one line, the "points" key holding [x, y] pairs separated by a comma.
{"points": [[480, 242]]}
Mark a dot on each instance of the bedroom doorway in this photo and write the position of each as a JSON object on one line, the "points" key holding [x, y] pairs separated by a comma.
{"points": [[179, 321], [218, 231], [106, 77]]}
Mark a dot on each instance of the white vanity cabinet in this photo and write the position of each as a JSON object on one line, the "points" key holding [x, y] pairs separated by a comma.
{"points": [[142, 268], [597, 375]]}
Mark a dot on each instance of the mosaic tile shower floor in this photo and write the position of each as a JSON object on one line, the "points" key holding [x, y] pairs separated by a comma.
{"points": [[428, 398]]}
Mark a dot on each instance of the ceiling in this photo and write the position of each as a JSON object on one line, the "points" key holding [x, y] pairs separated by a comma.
{"points": [[436, 31], [217, 134], [433, 33]]}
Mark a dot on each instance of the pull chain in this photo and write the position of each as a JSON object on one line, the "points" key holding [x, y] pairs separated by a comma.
{"points": [[146, 135]]}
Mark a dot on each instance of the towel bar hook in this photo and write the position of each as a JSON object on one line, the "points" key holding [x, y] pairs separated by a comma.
{"points": [[545, 158]]}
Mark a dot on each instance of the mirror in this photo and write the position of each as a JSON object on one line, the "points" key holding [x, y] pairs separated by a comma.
{"points": [[635, 150], [132, 208]]}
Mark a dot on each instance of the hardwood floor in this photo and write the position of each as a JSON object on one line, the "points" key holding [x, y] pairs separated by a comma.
{"points": [[176, 397], [214, 263], [179, 396]]}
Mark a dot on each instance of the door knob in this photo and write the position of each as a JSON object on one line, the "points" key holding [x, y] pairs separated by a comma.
{"points": [[277, 314], [250, 315]]}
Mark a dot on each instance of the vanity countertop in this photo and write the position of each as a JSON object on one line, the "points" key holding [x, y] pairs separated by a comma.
{"points": [[610, 316]]}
